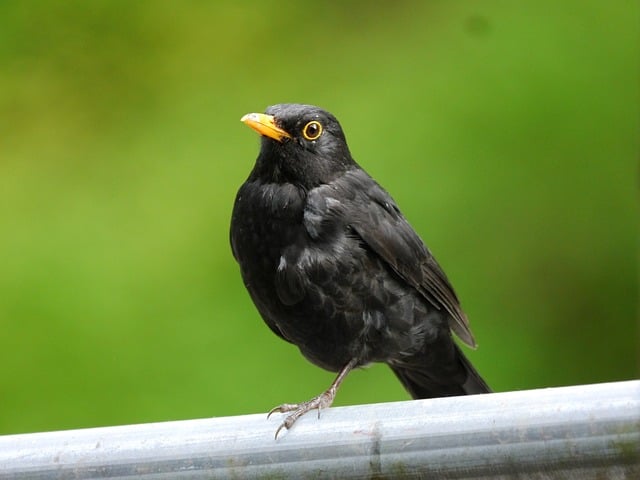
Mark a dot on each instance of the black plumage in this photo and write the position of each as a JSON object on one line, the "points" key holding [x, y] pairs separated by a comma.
{"points": [[334, 268]]}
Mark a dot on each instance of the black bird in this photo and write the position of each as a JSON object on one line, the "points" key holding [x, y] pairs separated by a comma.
{"points": [[334, 268]]}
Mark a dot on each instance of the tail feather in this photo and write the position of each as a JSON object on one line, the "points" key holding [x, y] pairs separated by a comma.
{"points": [[452, 378], [475, 383]]}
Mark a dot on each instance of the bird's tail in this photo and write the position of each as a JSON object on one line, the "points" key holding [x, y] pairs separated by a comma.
{"points": [[440, 378]]}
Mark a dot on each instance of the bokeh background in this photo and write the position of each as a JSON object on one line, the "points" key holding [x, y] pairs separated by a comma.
{"points": [[508, 132]]}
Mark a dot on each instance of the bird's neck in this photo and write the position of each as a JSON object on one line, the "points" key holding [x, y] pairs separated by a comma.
{"points": [[304, 170]]}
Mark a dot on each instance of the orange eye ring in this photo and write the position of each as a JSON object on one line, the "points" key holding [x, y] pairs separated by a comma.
{"points": [[312, 130]]}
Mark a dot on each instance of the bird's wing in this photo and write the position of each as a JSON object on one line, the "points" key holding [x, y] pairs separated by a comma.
{"points": [[374, 216]]}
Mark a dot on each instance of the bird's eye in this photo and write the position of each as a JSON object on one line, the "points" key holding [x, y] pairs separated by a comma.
{"points": [[312, 130]]}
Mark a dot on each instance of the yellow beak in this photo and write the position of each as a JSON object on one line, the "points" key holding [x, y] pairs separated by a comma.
{"points": [[265, 125]]}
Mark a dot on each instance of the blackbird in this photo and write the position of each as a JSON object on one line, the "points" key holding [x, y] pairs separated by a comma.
{"points": [[333, 266]]}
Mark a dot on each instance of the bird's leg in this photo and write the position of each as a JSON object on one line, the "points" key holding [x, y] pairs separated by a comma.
{"points": [[324, 400]]}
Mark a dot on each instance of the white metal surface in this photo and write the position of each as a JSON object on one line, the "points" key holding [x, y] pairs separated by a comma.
{"points": [[582, 432]]}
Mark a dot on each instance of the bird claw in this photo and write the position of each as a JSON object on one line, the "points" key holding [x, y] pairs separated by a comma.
{"points": [[285, 407], [282, 425], [324, 400]]}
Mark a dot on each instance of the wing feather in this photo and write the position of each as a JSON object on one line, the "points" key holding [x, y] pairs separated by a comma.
{"points": [[375, 217]]}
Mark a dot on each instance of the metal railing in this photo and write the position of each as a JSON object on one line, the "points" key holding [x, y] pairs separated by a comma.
{"points": [[582, 432]]}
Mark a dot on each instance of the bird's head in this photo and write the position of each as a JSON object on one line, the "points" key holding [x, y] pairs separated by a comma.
{"points": [[301, 144]]}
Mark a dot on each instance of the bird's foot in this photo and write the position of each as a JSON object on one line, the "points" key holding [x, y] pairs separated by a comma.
{"points": [[324, 400]]}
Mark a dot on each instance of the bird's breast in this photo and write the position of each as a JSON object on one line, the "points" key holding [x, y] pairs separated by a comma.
{"points": [[266, 218]]}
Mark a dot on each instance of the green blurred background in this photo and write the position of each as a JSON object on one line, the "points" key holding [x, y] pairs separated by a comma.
{"points": [[507, 131]]}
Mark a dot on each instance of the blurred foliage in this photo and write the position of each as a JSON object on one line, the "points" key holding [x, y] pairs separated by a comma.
{"points": [[507, 132]]}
